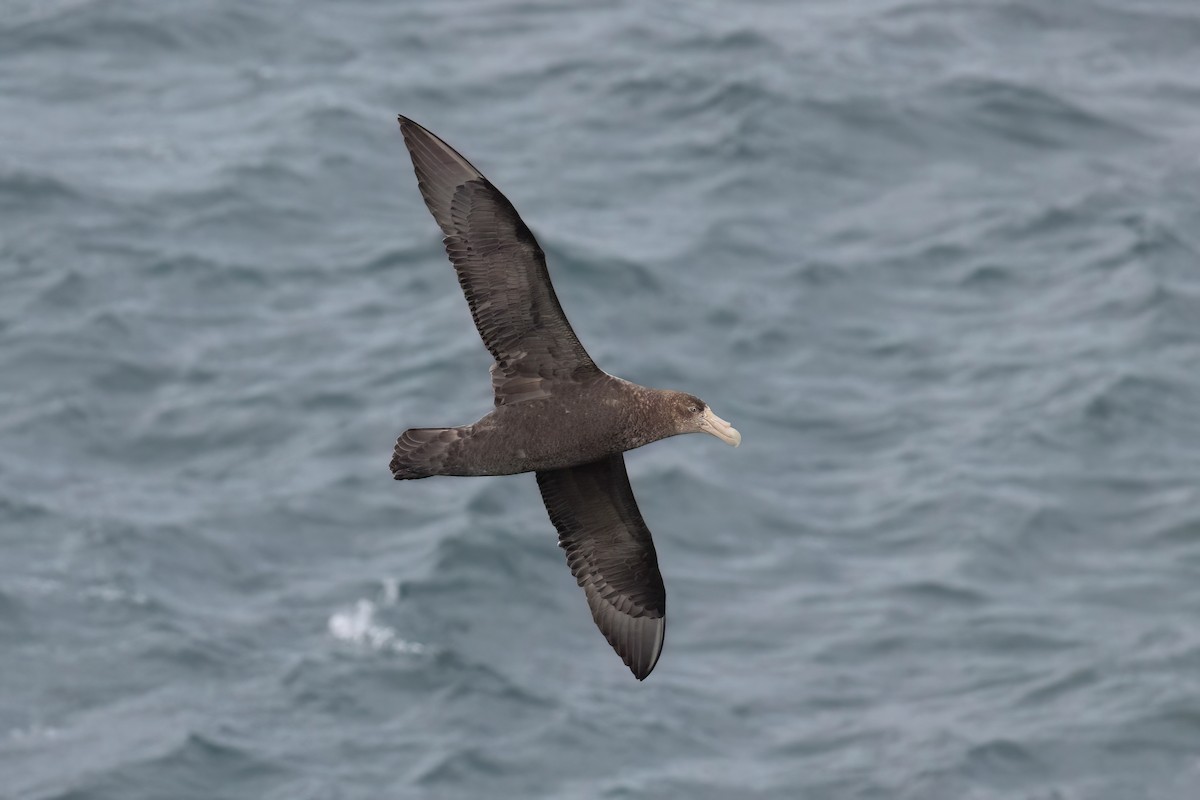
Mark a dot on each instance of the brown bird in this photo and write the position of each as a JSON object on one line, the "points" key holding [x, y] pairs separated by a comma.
{"points": [[557, 413]]}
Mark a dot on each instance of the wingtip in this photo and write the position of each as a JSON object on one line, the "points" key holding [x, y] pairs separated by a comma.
{"points": [[644, 673], [644, 655], [410, 128]]}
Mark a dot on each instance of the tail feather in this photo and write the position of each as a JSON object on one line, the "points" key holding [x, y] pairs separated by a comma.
{"points": [[422, 452]]}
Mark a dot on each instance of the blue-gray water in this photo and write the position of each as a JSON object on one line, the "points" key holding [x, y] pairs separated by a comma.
{"points": [[938, 262]]}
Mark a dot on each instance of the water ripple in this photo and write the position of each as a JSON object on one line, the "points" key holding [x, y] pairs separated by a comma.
{"points": [[936, 260]]}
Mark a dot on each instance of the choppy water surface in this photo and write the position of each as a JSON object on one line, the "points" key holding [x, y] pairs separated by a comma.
{"points": [[937, 261]]}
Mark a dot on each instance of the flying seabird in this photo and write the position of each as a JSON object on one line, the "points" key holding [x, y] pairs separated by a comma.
{"points": [[556, 413]]}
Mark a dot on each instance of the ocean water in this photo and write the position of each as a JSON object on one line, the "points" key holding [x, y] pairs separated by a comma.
{"points": [[938, 261]]}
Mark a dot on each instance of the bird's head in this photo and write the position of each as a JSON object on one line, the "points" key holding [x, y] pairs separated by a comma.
{"points": [[692, 415]]}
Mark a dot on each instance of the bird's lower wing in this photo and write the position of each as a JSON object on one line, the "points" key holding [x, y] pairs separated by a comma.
{"points": [[611, 555]]}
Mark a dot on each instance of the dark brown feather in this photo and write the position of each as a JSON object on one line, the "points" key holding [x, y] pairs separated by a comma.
{"points": [[422, 452], [502, 271], [611, 555]]}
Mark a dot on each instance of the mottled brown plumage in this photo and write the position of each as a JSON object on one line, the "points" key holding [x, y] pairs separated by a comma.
{"points": [[556, 413]]}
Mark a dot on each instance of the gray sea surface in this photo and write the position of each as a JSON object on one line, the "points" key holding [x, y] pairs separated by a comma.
{"points": [[938, 261]]}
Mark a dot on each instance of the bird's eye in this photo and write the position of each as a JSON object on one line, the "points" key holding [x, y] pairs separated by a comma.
{"points": [[693, 409]]}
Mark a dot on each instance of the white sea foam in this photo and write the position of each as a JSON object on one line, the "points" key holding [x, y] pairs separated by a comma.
{"points": [[391, 591], [108, 593], [358, 626], [33, 732]]}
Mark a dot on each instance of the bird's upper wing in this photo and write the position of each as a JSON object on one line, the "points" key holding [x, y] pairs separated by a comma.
{"points": [[502, 271], [611, 555]]}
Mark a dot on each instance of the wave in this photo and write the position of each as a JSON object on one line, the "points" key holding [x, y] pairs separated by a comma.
{"points": [[22, 191], [184, 766], [1026, 115]]}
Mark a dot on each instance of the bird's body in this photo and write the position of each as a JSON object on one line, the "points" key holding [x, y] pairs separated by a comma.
{"points": [[578, 423], [556, 413]]}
